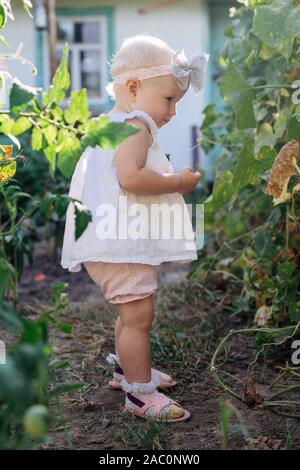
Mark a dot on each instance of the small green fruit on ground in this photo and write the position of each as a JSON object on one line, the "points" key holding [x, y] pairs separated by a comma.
{"points": [[36, 420]]}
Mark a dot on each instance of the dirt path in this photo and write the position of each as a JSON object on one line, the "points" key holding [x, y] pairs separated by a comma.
{"points": [[186, 330]]}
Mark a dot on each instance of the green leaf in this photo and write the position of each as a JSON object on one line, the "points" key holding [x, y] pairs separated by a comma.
{"points": [[281, 121], [264, 136], [20, 95], [265, 158], [210, 115], [6, 124], [60, 82], [83, 217], [7, 273], [56, 364], [50, 153], [21, 125], [36, 139], [266, 52], [64, 327], [277, 25], [78, 107], [58, 290], [10, 318], [263, 243], [225, 413], [50, 133], [286, 270], [61, 204], [254, 3], [2, 16], [297, 113], [237, 91], [56, 112], [248, 169], [221, 194], [293, 129], [69, 151], [260, 111], [108, 135], [244, 171], [294, 311], [47, 204], [34, 331], [261, 338]]}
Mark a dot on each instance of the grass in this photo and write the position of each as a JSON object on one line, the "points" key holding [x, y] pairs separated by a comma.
{"points": [[138, 434], [292, 430]]}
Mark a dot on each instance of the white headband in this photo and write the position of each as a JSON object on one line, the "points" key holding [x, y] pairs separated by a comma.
{"points": [[185, 71]]}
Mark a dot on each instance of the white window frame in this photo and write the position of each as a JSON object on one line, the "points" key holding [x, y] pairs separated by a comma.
{"points": [[76, 48]]}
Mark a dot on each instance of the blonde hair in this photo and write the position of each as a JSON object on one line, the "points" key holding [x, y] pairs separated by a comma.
{"points": [[138, 52]]}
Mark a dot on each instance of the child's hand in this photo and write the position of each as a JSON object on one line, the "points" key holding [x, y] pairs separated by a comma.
{"points": [[188, 180]]}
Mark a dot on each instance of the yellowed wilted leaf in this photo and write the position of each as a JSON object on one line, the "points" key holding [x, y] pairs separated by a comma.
{"points": [[284, 166], [262, 316], [7, 168], [7, 171]]}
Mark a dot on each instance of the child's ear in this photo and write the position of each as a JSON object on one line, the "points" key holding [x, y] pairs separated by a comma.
{"points": [[132, 86]]}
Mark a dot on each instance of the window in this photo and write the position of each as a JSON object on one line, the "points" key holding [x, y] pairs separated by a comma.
{"points": [[87, 54], [89, 34]]}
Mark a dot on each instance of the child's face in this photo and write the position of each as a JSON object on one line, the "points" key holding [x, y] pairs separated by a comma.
{"points": [[158, 97]]}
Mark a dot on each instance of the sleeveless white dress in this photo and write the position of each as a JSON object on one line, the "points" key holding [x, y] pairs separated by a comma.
{"points": [[95, 184]]}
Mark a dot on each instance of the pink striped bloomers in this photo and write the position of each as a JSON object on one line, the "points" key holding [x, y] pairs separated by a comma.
{"points": [[124, 282]]}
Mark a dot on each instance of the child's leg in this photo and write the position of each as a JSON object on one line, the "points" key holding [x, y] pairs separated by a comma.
{"points": [[134, 339], [118, 328], [162, 379], [135, 355]]}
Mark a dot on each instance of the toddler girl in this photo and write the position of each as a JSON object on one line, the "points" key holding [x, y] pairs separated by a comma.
{"points": [[149, 78]]}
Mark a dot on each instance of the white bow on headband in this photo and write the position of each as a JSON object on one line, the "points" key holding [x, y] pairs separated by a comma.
{"points": [[190, 70], [184, 71]]}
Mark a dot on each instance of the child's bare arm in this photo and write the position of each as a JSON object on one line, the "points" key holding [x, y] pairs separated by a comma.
{"points": [[132, 174]]}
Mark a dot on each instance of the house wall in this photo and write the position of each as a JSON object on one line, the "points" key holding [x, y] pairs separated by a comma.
{"points": [[15, 32]]}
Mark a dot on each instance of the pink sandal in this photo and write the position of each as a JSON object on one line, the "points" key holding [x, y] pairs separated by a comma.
{"points": [[160, 378], [157, 401]]}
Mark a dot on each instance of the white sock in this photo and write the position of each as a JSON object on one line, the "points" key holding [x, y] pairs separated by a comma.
{"points": [[113, 359], [139, 389]]}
